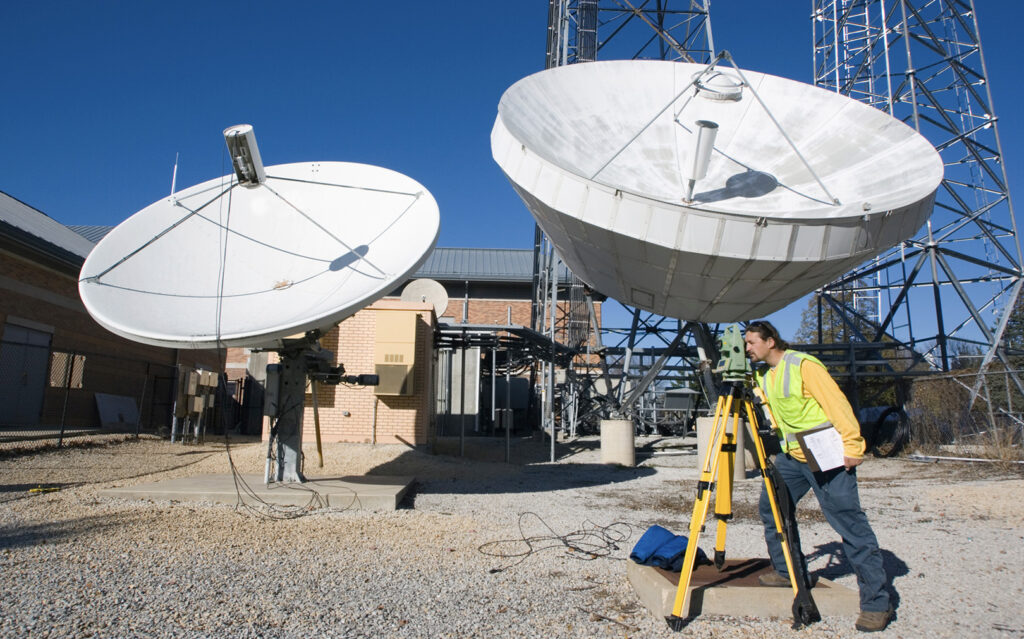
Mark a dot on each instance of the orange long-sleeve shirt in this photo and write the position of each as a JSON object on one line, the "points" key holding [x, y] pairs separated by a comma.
{"points": [[820, 386]]}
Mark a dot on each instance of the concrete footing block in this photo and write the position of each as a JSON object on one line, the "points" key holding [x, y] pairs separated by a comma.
{"points": [[617, 442], [734, 591]]}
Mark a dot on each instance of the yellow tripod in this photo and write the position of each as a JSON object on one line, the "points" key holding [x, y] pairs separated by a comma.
{"points": [[718, 464]]}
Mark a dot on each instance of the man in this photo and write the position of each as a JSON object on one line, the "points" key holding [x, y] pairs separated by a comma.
{"points": [[802, 395]]}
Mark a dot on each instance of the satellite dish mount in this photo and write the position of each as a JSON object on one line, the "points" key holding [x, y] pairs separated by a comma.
{"points": [[300, 359]]}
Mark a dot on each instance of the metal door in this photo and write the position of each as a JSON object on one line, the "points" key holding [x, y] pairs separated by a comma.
{"points": [[24, 358]]}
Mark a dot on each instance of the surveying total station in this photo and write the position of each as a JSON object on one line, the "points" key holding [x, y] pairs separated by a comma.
{"points": [[742, 396]]}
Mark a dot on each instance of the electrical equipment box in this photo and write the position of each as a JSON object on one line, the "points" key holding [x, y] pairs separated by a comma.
{"points": [[465, 382], [684, 399], [188, 386], [192, 383], [209, 379], [395, 352], [272, 390]]}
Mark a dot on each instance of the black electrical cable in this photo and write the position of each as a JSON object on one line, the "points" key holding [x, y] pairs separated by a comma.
{"points": [[266, 509], [262, 508], [590, 542]]}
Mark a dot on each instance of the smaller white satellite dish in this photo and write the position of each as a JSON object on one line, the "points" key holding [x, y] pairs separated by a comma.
{"points": [[260, 255], [427, 291]]}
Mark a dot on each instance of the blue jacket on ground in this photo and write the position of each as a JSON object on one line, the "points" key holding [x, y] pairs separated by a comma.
{"points": [[650, 541], [661, 548]]}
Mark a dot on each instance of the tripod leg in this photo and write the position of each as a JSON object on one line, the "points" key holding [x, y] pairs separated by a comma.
{"points": [[705, 485], [723, 498], [805, 611]]}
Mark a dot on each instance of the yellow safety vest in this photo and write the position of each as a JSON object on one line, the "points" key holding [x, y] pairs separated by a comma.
{"points": [[785, 391]]}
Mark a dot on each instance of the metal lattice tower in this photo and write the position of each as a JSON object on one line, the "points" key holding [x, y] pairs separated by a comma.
{"points": [[921, 61], [584, 31], [628, 29]]}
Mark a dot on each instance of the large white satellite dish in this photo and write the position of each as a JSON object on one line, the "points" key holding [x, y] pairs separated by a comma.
{"points": [[709, 194], [251, 258]]}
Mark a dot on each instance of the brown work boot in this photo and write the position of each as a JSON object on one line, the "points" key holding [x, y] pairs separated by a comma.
{"points": [[873, 621], [773, 580]]}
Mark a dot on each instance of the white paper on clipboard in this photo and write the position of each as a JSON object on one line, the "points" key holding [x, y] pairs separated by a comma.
{"points": [[823, 448]]}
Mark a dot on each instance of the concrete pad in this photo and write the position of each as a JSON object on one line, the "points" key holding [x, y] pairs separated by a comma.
{"points": [[734, 591], [366, 492]]}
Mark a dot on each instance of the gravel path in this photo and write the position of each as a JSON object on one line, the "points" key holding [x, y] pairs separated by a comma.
{"points": [[79, 565]]}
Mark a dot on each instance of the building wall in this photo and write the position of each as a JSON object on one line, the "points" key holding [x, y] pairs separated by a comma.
{"points": [[489, 311], [47, 299], [236, 362], [496, 311], [356, 413]]}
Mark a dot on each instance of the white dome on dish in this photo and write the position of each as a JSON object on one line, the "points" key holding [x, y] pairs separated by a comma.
{"points": [[802, 184], [248, 264]]}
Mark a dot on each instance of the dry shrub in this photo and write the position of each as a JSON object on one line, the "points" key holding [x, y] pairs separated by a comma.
{"points": [[937, 411], [1001, 444], [941, 424]]}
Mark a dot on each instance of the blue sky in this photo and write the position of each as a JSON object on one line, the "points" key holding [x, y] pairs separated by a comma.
{"points": [[99, 96]]}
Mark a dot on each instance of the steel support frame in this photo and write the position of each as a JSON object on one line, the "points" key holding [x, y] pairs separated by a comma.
{"points": [[921, 61]]}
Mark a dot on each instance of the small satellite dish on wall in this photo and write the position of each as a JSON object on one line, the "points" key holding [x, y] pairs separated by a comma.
{"points": [[427, 291], [704, 193], [266, 253]]}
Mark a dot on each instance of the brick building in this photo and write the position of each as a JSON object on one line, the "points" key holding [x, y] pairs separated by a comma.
{"points": [[57, 365], [485, 287], [390, 414], [52, 346]]}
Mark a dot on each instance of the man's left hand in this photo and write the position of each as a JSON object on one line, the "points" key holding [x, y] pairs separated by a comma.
{"points": [[852, 462]]}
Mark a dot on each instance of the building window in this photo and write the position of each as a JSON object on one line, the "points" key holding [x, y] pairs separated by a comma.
{"points": [[63, 365]]}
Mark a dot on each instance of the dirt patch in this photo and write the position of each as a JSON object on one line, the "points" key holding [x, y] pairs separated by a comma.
{"points": [[979, 500], [681, 509]]}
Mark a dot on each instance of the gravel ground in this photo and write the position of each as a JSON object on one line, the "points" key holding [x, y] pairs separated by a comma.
{"points": [[451, 562]]}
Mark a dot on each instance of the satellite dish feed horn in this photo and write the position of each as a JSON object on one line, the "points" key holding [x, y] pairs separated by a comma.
{"points": [[703, 145], [245, 155]]}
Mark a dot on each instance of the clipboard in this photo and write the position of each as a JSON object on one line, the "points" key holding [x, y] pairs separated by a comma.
{"points": [[822, 448]]}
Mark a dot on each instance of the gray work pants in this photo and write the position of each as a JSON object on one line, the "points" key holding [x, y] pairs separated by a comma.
{"points": [[836, 491]]}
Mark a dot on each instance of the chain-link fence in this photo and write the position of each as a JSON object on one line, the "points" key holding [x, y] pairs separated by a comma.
{"points": [[50, 395]]}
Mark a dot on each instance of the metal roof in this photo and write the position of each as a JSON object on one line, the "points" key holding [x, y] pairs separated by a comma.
{"points": [[482, 264], [92, 233], [33, 228]]}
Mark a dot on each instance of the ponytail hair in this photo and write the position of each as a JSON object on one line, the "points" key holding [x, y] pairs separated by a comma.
{"points": [[765, 329]]}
